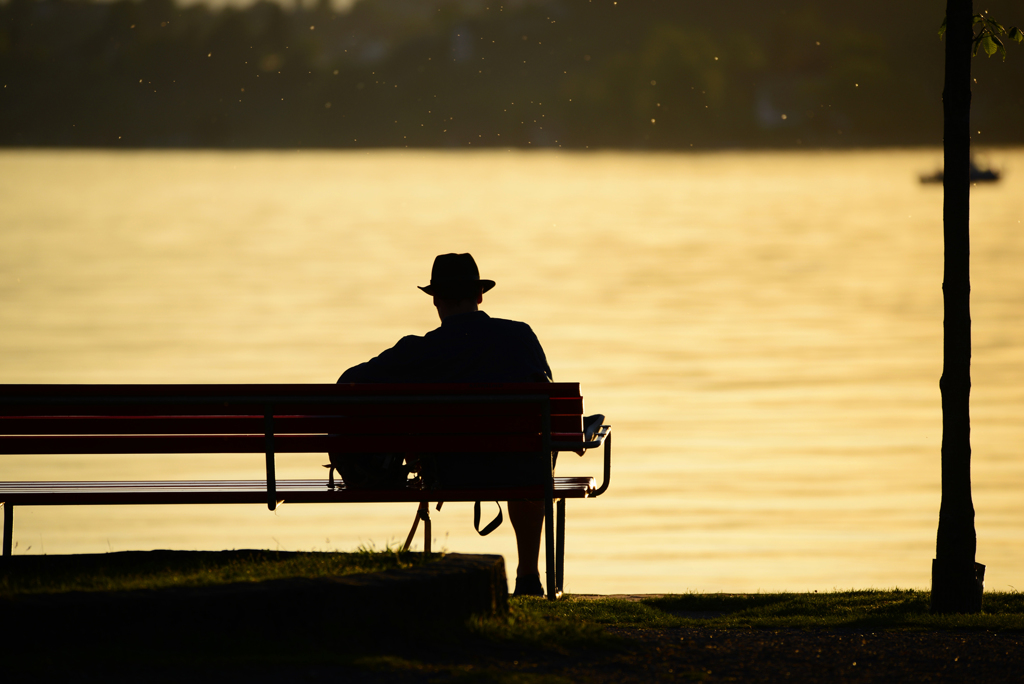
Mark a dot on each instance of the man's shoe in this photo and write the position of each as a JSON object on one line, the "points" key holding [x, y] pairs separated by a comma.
{"points": [[529, 586]]}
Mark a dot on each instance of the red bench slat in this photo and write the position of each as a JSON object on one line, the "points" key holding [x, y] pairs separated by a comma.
{"points": [[254, 392], [248, 425], [57, 389], [284, 407], [283, 444]]}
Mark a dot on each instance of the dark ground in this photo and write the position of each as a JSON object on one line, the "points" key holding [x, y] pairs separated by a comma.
{"points": [[819, 656], [656, 655]]}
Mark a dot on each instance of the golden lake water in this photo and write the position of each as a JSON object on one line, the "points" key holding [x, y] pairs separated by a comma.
{"points": [[763, 331]]}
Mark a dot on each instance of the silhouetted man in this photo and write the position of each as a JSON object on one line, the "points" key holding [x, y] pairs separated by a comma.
{"points": [[470, 346]]}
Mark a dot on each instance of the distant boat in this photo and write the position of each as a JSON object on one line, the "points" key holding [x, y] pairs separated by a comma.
{"points": [[978, 175]]}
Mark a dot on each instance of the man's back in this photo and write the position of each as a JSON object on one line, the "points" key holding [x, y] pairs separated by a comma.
{"points": [[467, 347]]}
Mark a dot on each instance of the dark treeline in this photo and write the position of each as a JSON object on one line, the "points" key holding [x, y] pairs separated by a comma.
{"points": [[654, 74]]}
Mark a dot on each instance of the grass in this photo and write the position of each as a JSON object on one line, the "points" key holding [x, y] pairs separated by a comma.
{"points": [[160, 569], [869, 609], [548, 625]]}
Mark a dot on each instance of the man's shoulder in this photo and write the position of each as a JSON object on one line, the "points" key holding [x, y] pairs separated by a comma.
{"points": [[507, 323], [509, 329]]}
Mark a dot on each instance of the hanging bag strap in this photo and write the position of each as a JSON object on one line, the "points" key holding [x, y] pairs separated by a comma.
{"points": [[422, 513], [491, 526]]}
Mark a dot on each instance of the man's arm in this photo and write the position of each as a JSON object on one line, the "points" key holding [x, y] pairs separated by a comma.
{"points": [[391, 365], [543, 371]]}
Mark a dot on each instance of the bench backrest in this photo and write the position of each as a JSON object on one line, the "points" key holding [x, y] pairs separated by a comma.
{"points": [[308, 418]]}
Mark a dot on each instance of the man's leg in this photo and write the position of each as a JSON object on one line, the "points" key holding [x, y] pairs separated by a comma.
{"points": [[527, 520]]}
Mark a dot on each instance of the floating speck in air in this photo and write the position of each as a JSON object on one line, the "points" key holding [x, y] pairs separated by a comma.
{"points": [[783, 117], [327, 105], [652, 120], [312, 27], [209, 54], [716, 59], [654, 83]]}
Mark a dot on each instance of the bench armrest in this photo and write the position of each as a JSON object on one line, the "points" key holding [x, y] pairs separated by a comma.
{"points": [[603, 436]]}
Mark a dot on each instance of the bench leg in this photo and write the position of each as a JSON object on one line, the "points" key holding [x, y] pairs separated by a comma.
{"points": [[560, 545], [268, 421], [8, 526], [553, 590]]}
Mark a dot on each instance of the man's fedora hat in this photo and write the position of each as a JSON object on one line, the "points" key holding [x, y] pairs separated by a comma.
{"points": [[455, 274]]}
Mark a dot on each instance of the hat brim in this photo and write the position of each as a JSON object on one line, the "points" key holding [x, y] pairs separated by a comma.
{"points": [[485, 285]]}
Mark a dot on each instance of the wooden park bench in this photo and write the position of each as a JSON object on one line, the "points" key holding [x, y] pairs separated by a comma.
{"points": [[480, 419]]}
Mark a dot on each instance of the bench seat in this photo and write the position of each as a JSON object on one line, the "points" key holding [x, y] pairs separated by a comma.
{"points": [[255, 492]]}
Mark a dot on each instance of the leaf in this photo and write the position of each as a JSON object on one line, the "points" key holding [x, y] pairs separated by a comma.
{"points": [[977, 18], [1016, 34], [977, 43], [942, 29], [1001, 47], [989, 45]]}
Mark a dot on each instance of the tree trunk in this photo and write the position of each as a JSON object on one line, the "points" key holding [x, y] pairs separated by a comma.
{"points": [[956, 578]]}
